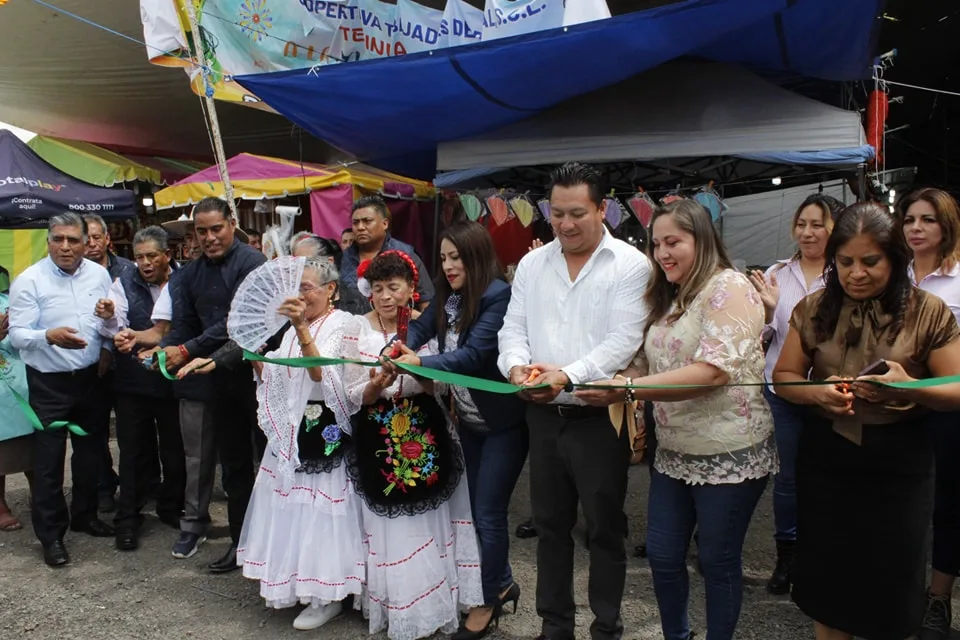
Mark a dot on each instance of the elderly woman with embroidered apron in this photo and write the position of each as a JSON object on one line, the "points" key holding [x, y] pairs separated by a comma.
{"points": [[423, 564]]}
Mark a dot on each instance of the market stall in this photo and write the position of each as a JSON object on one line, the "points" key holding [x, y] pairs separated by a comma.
{"points": [[331, 190], [32, 190], [691, 127], [105, 168]]}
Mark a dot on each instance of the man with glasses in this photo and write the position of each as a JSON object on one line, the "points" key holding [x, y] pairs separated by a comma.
{"points": [[53, 325], [371, 237]]}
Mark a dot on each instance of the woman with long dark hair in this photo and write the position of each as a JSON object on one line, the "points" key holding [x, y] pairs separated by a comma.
{"points": [[781, 288], [930, 219], [865, 460], [464, 317]]}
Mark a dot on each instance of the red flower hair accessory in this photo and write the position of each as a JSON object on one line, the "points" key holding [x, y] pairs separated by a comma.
{"points": [[363, 285]]}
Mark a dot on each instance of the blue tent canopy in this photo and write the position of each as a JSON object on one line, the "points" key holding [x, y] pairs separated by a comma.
{"points": [[396, 107], [31, 189]]}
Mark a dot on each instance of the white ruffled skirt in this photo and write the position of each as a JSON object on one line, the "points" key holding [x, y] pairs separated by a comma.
{"points": [[302, 538], [422, 570]]}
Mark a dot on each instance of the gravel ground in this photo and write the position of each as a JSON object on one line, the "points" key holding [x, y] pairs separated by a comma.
{"points": [[150, 595]]}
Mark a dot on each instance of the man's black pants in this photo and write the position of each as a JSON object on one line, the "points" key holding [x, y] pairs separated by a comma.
{"points": [[75, 397], [143, 423], [239, 442], [578, 457]]}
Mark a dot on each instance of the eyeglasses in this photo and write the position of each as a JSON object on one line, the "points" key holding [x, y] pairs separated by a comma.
{"points": [[308, 288]]}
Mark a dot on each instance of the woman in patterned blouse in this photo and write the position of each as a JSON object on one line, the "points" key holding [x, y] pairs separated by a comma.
{"points": [[715, 446]]}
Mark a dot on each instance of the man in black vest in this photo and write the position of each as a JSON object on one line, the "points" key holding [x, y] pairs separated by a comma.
{"points": [[147, 412]]}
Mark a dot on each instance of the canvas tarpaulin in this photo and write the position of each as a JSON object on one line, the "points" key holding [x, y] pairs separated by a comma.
{"points": [[32, 189], [105, 168], [758, 228], [710, 109], [395, 107]]}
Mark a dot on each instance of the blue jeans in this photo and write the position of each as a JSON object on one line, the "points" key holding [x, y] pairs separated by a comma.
{"points": [[787, 424], [721, 514], [494, 461]]}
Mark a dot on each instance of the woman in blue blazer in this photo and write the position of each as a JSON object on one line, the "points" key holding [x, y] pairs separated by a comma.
{"points": [[465, 316]]}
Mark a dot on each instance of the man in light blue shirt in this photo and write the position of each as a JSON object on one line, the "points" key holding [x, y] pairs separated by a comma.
{"points": [[53, 325]]}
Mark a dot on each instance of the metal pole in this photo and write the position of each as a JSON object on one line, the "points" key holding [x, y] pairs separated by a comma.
{"points": [[214, 122]]}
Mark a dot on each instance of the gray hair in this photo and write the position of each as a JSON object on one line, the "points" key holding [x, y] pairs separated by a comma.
{"points": [[95, 219], [304, 236], [325, 269], [68, 220], [153, 234]]}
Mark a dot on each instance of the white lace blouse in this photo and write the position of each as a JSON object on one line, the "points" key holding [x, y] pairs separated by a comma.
{"points": [[726, 436]]}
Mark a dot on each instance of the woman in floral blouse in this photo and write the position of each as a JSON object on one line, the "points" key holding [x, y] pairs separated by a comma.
{"points": [[715, 446]]}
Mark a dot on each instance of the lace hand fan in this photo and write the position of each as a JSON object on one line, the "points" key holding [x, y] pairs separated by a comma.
{"points": [[471, 206], [612, 212], [523, 210], [544, 206], [642, 207], [253, 315], [498, 209]]}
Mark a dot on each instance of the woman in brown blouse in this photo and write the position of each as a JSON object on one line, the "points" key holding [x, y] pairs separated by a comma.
{"points": [[865, 461]]}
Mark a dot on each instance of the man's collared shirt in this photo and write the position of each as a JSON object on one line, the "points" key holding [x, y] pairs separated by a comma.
{"points": [[206, 290], [46, 297], [590, 327], [351, 261]]}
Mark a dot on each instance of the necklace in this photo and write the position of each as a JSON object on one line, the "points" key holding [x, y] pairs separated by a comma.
{"points": [[296, 343], [386, 341]]}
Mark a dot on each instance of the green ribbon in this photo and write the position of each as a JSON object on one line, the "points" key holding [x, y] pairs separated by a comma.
{"points": [[161, 357], [493, 386], [32, 417], [505, 388]]}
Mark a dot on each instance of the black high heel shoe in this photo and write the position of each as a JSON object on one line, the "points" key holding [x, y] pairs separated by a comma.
{"points": [[511, 595], [466, 634]]}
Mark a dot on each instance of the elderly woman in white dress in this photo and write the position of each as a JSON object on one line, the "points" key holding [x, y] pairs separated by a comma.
{"points": [[302, 536]]}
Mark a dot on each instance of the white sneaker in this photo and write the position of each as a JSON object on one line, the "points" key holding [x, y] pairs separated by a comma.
{"points": [[315, 617]]}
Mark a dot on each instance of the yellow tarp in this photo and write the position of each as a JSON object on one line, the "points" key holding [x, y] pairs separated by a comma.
{"points": [[20, 248], [256, 177]]}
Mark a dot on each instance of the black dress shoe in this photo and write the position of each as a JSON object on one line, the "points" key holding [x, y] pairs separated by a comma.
{"points": [[55, 554], [227, 563], [526, 530], [127, 540], [94, 527]]}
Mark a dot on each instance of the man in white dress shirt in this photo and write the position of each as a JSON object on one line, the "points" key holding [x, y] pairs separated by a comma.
{"points": [[576, 315], [52, 323]]}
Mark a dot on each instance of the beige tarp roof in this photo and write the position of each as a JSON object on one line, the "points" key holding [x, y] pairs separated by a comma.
{"points": [[61, 77]]}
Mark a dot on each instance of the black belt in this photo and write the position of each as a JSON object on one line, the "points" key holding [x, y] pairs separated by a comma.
{"points": [[575, 411], [86, 371]]}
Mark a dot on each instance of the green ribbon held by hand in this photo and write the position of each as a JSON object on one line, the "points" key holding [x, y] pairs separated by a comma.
{"points": [[493, 386], [34, 420], [161, 357]]}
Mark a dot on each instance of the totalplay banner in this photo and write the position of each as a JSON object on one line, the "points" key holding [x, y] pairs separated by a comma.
{"points": [[239, 37]]}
